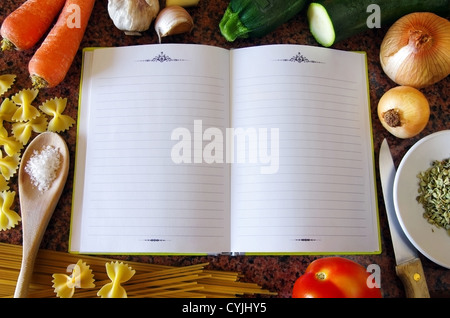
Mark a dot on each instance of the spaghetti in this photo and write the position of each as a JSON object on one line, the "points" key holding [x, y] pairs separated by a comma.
{"points": [[150, 280]]}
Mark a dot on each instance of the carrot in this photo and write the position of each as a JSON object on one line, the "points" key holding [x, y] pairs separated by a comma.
{"points": [[25, 26], [51, 62]]}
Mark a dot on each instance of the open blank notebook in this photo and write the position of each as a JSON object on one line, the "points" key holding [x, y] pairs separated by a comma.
{"points": [[195, 149]]}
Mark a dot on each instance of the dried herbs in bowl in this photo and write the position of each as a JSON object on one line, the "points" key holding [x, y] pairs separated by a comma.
{"points": [[434, 193]]}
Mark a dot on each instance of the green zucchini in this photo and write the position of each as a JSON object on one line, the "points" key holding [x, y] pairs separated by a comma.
{"points": [[256, 18], [331, 21]]}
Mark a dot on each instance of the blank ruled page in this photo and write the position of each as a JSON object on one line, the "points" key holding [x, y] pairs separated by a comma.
{"points": [[305, 115], [134, 193]]}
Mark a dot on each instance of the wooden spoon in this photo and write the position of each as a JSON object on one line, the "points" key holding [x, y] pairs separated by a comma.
{"points": [[37, 206]]}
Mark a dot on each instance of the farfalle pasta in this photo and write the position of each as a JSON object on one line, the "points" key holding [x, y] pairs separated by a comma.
{"points": [[26, 111], [3, 131], [55, 107], [10, 144], [119, 273], [22, 130], [25, 119], [3, 183], [8, 217], [7, 109], [6, 82], [9, 165], [81, 277]]}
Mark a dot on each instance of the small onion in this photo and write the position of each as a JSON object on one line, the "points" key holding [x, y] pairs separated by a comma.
{"points": [[404, 111], [416, 50]]}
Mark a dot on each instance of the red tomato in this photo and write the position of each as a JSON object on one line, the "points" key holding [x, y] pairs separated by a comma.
{"points": [[334, 277]]}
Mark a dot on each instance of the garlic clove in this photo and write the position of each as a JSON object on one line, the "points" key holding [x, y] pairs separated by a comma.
{"points": [[173, 20], [133, 16]]}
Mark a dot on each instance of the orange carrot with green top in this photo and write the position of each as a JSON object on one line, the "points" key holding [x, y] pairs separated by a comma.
{"points": [[26, 25], [51, 62]]}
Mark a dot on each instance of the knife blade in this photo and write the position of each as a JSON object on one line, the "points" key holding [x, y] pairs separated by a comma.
{"points": [[408, 265]]}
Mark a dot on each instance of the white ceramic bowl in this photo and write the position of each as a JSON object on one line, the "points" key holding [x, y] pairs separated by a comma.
{"points": [[431, 241]]}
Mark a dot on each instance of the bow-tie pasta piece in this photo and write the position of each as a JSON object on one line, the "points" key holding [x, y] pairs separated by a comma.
{"points": [[6, 82], [119, 273], [10, 144], [26, 111], [55, 107], [7, 110], [9, 165], [8, 217], [22, 130], [81, 277], [4, 186]]}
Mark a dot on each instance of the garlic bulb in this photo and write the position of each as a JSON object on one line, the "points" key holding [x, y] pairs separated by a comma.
{"points": [[133, 16]]}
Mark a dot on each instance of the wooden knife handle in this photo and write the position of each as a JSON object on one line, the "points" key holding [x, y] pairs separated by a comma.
{"points": [[413, 278]]}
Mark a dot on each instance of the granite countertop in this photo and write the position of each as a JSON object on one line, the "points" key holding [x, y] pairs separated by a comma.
{"points": [[275, 273]]}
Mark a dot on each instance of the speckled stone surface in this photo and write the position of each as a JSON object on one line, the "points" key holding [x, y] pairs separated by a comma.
{"points": [[276, 273]]}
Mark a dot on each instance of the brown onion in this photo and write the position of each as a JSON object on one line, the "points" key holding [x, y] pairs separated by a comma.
{"points": [[404, 111], [416, 50]]}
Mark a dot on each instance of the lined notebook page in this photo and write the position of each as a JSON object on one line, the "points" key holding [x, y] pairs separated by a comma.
{"points": [[322, 196], [132, 195]]}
